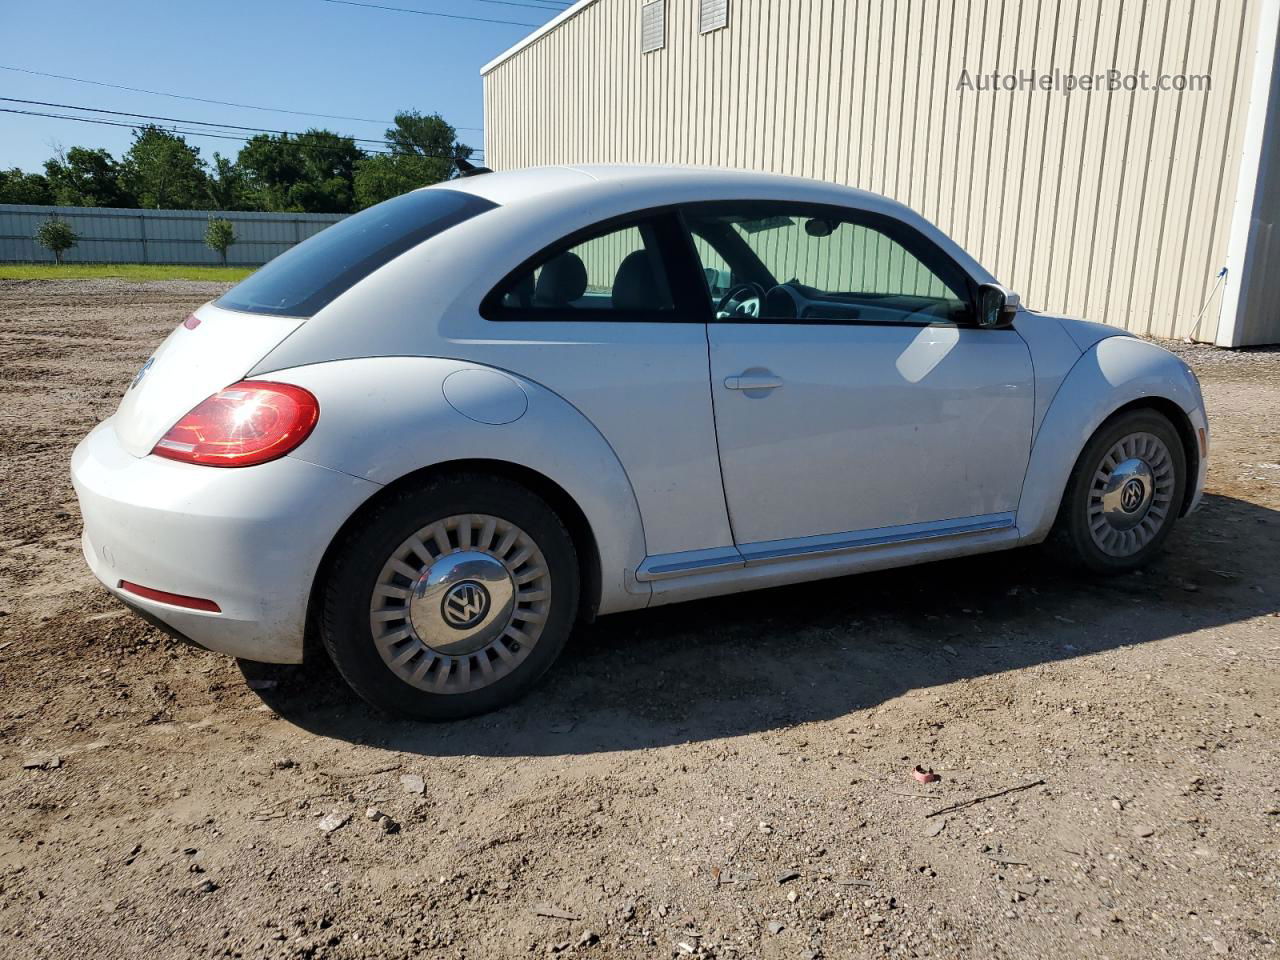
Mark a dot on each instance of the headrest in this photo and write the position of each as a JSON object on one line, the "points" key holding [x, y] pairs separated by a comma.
{"points": [[521, 292], [636, 287], [562, 281]]}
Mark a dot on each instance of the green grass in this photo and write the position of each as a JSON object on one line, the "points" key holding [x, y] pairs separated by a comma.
{"points": [[123, 271]]}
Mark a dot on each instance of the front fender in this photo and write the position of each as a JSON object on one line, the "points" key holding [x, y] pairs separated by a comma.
{"points": [[382, 418], [1111, 374]]}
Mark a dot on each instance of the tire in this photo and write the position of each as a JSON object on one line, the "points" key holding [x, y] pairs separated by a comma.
{"points": [[478, 624], [1108, 522]]}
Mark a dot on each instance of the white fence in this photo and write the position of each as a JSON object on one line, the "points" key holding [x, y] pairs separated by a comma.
{"points": [[111, 235]]}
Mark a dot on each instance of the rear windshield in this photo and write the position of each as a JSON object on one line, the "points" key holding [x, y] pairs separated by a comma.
{"points": [[302, 280]]}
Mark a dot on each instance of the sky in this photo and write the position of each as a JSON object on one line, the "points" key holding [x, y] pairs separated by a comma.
{"points": [[315, 56]]}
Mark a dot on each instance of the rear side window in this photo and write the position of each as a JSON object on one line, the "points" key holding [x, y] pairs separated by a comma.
{"points": [[612, 275], [302, 280]]}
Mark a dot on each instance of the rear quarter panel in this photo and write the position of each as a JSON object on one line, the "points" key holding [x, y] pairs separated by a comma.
{"points": [[383, 418]]}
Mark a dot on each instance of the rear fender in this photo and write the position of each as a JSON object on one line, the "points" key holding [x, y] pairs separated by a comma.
{"points": [[1111, 374], [383, 418]]}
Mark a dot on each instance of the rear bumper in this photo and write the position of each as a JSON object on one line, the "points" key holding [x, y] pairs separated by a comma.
{"points": [[249, 539]]}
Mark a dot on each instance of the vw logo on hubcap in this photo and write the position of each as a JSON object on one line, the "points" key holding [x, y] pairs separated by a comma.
{"points": [[1132, 495], [464, 605]]}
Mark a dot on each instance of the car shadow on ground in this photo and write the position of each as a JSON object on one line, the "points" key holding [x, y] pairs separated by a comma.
{"points": [[772, 659]]}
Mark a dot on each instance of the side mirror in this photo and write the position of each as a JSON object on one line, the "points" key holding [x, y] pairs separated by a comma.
{"points": [[997, 306]]}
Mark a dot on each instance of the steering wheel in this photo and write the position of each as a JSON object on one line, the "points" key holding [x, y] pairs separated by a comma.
{"points": [[734, 305]]}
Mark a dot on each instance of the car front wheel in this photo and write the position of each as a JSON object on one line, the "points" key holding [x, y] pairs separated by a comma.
{"points": [[1124, 494], [451, 598]]}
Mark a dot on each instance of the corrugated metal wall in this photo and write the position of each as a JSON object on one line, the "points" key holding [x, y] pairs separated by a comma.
{"points": [[1259, 320], [1114, 206], [109, 235]]}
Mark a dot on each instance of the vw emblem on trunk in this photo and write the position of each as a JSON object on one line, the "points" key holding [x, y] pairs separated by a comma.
{"points": [[465, 605], [142, 373], [1132, 495]]}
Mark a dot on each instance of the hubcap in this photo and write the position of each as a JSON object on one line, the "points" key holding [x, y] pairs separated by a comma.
{"points": [[1131, 494], [460, 604]]}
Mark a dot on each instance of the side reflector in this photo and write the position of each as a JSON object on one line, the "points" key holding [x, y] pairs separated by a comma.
{"points": [[173, 599]]}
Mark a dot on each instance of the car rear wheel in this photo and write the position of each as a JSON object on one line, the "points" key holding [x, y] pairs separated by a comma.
{"points": [[451, 598], [1124, 494]]}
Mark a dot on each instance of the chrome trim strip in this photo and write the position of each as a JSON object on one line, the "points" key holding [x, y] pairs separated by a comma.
{"points": [[664, 566], [773, 551], [687, 563]]}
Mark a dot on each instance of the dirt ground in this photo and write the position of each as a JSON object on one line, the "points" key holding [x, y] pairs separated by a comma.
{"points": [[723, 779]]}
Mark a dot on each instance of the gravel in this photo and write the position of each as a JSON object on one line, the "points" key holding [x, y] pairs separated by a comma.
{"points": [[715, 748]]}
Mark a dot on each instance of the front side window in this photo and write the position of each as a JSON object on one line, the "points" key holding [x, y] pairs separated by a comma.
{"points": [[786, 262], [617, 274], [715, 269], [302, 280]]}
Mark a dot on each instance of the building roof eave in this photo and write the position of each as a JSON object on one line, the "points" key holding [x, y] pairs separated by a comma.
{"points": [[542, 31]]}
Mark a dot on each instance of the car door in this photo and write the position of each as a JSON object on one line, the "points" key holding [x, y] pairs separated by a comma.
{"points": [[854, 399], [615, 323]]}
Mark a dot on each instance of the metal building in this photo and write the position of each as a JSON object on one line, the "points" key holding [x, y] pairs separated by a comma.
{"points": [[1108, 198], [116, 235]]}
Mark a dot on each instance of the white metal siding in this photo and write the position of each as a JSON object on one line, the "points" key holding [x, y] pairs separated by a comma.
{"points": [[1114, 206], [1258, 319]]}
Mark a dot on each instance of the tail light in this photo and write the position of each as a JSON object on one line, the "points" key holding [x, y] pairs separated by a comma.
{"points": [[249, 422]]}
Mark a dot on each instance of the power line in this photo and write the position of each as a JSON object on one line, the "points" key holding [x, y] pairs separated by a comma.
{"points": [[558, 7], [131, 126], [549, 5], [168, 119], [148, 116], [221, 103], [429, 13], [183, 132]]}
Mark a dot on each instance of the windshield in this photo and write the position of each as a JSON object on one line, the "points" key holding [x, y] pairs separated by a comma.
{"points": [[302, 280]]}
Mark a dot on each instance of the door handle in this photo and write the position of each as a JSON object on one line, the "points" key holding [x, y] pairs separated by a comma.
{"points": [[753, 381]]}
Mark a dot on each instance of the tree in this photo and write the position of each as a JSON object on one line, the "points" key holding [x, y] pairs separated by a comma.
{"points": [[422, 152], [318, 171], [226, 185], [220, 235], [381, 176], [163, 171], [269, 165], [329, 164], [86, 178], [57, 236], [313, 172], [428, 136], [17, 186]]}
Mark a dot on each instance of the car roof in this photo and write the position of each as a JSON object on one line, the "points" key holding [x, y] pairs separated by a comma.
{"points": [[516, 186]]}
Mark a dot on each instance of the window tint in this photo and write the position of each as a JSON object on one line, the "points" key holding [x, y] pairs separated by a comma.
{"points": [[619, 272], [302, 280], [790, 263]]}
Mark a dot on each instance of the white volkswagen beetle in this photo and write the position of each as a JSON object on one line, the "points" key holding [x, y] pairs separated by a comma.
{"points": [[440, 432]]}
